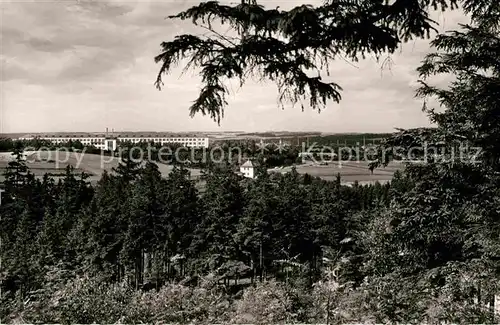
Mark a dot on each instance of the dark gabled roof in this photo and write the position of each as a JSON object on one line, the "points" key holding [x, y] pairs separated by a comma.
{"points": [[250, 163]]}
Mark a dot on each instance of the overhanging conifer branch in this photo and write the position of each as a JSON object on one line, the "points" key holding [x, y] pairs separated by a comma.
{"points": [[284, 46]]}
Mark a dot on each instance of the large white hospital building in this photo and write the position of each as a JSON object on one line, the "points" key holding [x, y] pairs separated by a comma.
{"points": [[107, 142]]}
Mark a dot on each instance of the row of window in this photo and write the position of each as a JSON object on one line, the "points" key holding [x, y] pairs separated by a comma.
{"points": [[83, 141], [165, 139], [101, 140]]}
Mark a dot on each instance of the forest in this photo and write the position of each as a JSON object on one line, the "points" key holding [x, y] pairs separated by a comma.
{"points": [[280, 248], [139, 232]]}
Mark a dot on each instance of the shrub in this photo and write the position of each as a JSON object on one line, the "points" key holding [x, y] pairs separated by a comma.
{"points": [[266, 303]]}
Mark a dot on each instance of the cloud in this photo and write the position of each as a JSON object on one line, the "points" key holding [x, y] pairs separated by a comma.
{"points": [[86, 39], [91, 63]]}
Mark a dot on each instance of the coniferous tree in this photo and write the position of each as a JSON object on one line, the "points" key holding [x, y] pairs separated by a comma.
{"points": [[16, 171], [222, 204], [255, 228], [143, 234], [181, 216], [107, 220], [128, 168]]}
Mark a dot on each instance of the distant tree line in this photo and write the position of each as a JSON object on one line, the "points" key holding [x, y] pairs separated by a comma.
{"points": [[272, 153], [351, 140]]}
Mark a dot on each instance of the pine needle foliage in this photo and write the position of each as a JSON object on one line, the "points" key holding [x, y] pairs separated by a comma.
{"points": [[292, 48]]}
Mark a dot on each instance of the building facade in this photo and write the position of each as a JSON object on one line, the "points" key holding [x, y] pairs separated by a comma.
{"points": [[106, 142], [87, 140], [248, 169], [186, 141]]}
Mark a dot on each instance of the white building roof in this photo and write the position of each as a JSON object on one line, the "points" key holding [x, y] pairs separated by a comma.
{"points": [[114, 134], [249, 163]]}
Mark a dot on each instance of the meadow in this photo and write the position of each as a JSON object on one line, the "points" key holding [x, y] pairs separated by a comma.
{"points": [[349, 171], [54, 163]]}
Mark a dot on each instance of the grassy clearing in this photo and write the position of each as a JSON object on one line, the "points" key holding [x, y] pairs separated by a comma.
{"points": [[55, 162], [349, 171]]}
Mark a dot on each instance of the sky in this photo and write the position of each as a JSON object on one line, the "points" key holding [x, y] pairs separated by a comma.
{"points": [[84, 65]]}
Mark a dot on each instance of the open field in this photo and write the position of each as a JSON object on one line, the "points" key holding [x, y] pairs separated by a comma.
{"points": [[349, 171], [54, 162], [221, 135]]}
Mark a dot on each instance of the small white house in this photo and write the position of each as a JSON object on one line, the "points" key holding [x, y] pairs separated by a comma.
{"points": [[248, 169]]}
